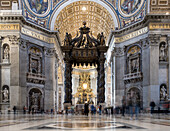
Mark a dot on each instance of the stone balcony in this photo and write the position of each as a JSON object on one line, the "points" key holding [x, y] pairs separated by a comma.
{"points": [[133, 77], [35, 78], [10, 13]]}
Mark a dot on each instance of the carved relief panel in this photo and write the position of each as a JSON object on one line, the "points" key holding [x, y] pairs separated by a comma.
{"points": [[35, 65], [35, 60], [133, 66], [133, 60]]}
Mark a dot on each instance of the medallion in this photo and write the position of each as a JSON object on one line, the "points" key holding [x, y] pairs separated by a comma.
{"points": [[130, 6], [38, 6]]}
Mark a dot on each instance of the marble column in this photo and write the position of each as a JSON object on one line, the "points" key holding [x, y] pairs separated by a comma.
{"points": [[168, 39], [102, 79], [98, 76], [154, 67], [67, 82]]}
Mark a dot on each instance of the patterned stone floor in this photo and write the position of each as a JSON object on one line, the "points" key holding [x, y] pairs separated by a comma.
{"points": [[77, 122]]}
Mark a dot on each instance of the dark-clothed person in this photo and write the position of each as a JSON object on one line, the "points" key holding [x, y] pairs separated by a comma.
{"points": [[86, 109], [100, 109], [123, 106], [152, 105]]}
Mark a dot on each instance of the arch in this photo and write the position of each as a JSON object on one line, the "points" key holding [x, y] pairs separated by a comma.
{"points": [[35, 99], [137, 94], [63, 5]]}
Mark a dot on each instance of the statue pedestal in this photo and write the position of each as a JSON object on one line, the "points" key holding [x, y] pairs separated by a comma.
{"points": [[4, 107], [5, 60], [66, 105]]}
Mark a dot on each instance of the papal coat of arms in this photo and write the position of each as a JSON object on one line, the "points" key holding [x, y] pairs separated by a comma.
{"points": [[130, 6], [38, 6]]}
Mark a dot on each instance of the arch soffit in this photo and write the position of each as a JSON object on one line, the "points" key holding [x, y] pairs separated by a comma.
{"points": [[63, 5], [40, 89], [138, 45], [137, 87]]}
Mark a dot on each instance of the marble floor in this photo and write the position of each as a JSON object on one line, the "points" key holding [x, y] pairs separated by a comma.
{"points": [[28, 122]]}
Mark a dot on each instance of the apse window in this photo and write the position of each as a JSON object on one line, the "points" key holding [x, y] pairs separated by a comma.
{"points": [[5, 3], [85, 85], [153, 2], [163, 2], [84, 8]]}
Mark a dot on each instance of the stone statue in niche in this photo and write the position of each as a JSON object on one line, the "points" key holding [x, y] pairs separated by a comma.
{"points": [[6, 52], [34, 98], [134, 65], [5, 93], [162, 52], [163, 92]]}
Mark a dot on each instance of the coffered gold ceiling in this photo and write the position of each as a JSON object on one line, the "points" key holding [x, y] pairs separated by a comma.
{"points": [[72, 16]]}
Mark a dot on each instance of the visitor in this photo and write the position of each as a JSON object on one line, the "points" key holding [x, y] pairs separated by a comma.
{"points": [[152, 105], [137, 106], [123, 106], [100, 109], [51, 111], [92, 109], [77, 111], [130, 107], [24, 110], [14, 109], [33, 111], [86, 108], [66, 111]]}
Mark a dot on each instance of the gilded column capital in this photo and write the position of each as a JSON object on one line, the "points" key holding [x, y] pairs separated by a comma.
{"points": [[154, 39], [118, 51], [49, 52], [23, 44], [13, 39]]}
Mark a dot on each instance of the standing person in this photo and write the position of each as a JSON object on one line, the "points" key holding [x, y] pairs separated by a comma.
{"points": [[24, 110], [130, 107], [52, 111], [100, 109], [86, 108], [32, 110], [66, 110], [137, 105], [14, 108], [152, 105], [92, 109], [123, 106]]}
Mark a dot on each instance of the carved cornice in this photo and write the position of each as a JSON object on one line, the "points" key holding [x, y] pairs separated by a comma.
{"points": [[148, 18]]}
